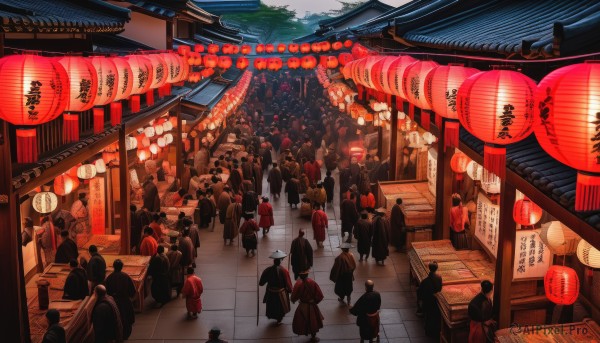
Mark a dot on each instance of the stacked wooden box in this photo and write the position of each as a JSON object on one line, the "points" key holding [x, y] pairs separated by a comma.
{"points": [[418, 205]]}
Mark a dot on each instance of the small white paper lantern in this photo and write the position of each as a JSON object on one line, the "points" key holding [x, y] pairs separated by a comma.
{"points": [[474, 170], [45, 202], [559, 239], [100, 166], [360, 120], [158, 130], [588, 255], [168, 138], [161, 142], [130, 143], [86, 171], [149, 132], [490, 182]]}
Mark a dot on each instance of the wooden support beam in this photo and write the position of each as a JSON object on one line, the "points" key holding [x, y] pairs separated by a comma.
{"points": [[179, 143], [15, 325], [393, 140], [443, 188], [124, 194], [506, 253], [380, 142]]}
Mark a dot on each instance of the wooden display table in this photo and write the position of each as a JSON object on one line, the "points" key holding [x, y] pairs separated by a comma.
{"points": [[586, 331], [106, 244], [418, 204], [75, 315]]}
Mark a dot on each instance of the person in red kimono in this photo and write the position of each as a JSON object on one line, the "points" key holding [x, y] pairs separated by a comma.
{"points": [[319, 225], [307, 318], [149, 245], [248, 231], [192, 290], [265, 211]]}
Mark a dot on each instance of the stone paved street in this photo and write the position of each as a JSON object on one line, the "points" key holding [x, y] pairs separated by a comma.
{"points": [[230, 285]]}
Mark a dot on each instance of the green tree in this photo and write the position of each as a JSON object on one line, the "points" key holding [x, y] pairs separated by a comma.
{"points": [[271, 23], [347, 6]]}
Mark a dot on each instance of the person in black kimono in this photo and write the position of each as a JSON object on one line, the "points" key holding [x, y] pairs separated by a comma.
{"points": [[342, 273], [363, 232], [398, 227], [258, 175], [329, 185], [427, 302], [120, 286], [67, 249], [106, 319], [96, 267], [55, 332], [482, 326], [279, 287], [76, 285], [380, 236], [292, 189], [205, 208], [301, 254], [249, 199], [235, 179], [159, 270], [150, 195], [349, 216], [366, 310]]}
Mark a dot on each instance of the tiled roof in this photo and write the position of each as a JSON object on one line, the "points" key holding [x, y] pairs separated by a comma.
{"points": [[541, 28], [60, 16], [171, 8], [115, 44], [220, 33], [528, 160], [228, 6], [207, 96], [339, 20]]}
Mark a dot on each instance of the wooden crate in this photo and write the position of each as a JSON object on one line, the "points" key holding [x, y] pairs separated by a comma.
{"points": [[417, 235]]}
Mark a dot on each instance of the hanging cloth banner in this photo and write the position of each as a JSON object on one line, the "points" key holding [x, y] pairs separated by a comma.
{"points": [[96, 206]]}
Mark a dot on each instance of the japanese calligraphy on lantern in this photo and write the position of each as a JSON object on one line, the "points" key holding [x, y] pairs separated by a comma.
{"points": [[431, 170], [96, 206], [532, 257], [487, 223]]}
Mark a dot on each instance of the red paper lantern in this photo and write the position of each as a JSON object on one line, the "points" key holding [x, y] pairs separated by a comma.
{"points": [[212, 49], [260, 63], [83, 89], [561, 285], [497, 107], [64, 185], [566, 126], [325, 46], [199, 48], [293, 48], [348, 44], [185, 69], [305, 48], [160, 70], [210, 61], [207, 72], [227, 49], [274, 63], [246, 49], [260, 48], [344, 58], [35, 92], [124, 78], [413, 81], [337, 46], [526, 213], [293, 62], [143, 73], [315, 47], [269, 48], [395, 74], [224, 62], [459, 163], [106, 70], [241, 63], [323, 61], [183, 50], [441, 88], [368, 67], [332, 62], [173, 72], [235, 49], [308, 62], [281, 48]]}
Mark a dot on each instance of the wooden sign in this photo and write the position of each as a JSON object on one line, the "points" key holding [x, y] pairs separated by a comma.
{"points": [[96, 206], [532, 256], [487, 223], [431, 170]]}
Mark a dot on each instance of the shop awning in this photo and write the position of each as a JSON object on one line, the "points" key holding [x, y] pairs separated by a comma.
{"points": [[206, 97], [111, 44]]}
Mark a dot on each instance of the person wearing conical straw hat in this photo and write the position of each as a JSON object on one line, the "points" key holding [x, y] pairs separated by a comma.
{"points": [[279, 287], [307, 318], [342, 273]]}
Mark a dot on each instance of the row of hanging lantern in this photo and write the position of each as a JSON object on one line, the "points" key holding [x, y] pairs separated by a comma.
{"points": [[502, 107], [39, 89], [294, 48], [151, 139]]}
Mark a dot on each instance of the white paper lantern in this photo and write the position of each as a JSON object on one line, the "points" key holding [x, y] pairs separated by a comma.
{"points": [[401, 115], [130, 143], [360, 120], [490, 183], [348, 99], [167, 126], [183, 135], [474, 170], [45, 202], [149, 132], [414, 139], [154, 148], [168, 138], [100, 166], [158, 130], [559, 239], [86, 171], [588, 255], [429, 138], [161, 142], [211, 126], [342, 106]]}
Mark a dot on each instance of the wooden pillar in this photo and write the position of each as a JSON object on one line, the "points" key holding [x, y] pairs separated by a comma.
{"points": [[380, 141], [506, 253], [169, 43], [125, 195], [443, 188], [393, 139], [179, 143], [15, 325]]}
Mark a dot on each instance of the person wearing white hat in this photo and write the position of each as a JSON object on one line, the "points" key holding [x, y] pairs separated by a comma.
{"points": [[279, 287], [342, 273]]}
